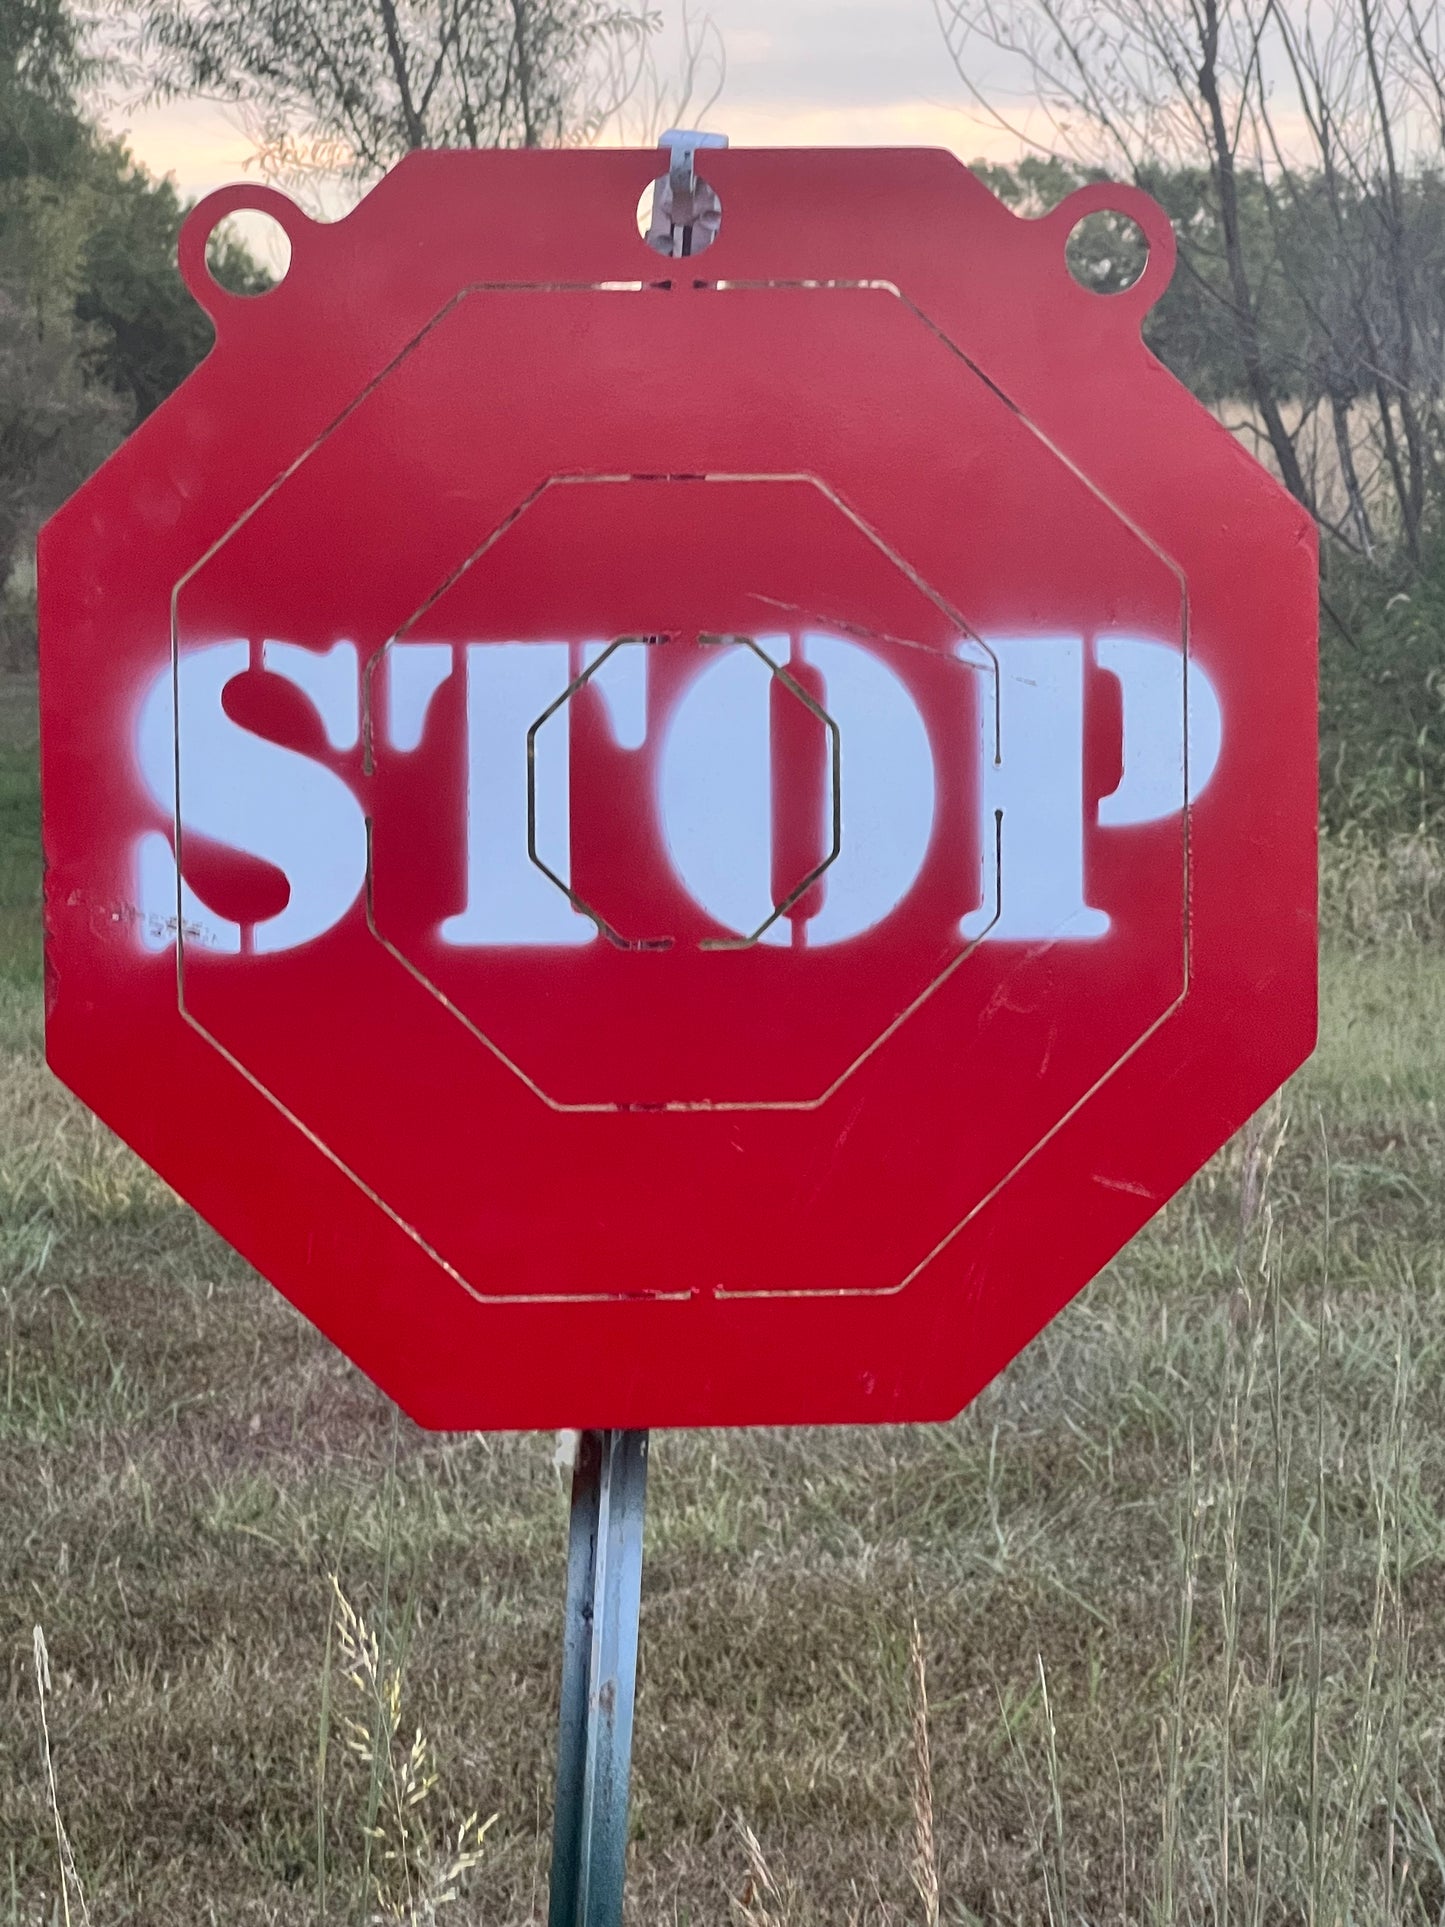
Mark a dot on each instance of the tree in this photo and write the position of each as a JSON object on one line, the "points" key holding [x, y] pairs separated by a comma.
{"points": [[345, 87], [53, 425], [95, 325], [1313, 261], [41, 62]]}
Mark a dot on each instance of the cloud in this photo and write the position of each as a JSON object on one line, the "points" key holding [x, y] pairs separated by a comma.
{"points": [[884, 123], [195, 140], [837, 53]]}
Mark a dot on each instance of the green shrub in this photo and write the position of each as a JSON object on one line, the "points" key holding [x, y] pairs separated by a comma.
{"points": [[1382, 700]]}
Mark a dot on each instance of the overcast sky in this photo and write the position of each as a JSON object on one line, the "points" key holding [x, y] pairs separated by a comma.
{"points": [[831, 72]]}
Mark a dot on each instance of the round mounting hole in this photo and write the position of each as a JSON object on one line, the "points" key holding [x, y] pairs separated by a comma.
{"points": [[248, 253], [679, 225], [1106, 252]]}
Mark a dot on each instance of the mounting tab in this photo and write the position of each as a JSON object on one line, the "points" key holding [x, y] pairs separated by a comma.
{"points": [[686, 212]]}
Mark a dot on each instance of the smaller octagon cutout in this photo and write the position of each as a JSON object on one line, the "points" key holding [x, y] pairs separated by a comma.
{"points": [[806, 835], [964, 1048]]}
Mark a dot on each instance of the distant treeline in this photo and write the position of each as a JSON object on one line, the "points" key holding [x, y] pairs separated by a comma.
{"points": [[1345, 337]]}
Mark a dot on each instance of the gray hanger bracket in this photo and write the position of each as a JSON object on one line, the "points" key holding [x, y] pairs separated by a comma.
{"points": [[686, 211]]}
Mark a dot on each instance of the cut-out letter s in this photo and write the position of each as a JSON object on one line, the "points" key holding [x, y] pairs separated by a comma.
{"points": [[252, 795]]}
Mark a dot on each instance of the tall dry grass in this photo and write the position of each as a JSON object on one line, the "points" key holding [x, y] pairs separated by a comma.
{"points": [[1389, 892], [1178, 1573], [1296, 1766]]}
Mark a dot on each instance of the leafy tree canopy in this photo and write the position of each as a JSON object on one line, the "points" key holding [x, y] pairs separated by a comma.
{"points": [[346, 87], [96, 327]]}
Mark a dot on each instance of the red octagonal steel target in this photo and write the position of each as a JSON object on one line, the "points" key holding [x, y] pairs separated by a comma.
{"points": [[679, 842]]}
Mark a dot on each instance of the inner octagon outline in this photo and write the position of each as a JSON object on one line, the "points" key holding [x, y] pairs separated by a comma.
{"points": [[1046, 442]]}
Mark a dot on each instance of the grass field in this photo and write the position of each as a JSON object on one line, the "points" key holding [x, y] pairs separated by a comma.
{"points": [[1179, 1575]]}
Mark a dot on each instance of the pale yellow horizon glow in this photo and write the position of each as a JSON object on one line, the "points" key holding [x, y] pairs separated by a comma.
{"points": [[202, 146]]}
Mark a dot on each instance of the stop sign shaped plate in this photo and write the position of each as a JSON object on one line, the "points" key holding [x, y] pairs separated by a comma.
{"points": [[679, 842]]}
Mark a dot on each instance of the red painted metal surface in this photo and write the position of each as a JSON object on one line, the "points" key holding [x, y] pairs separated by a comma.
{"points": [[679, 843]]}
